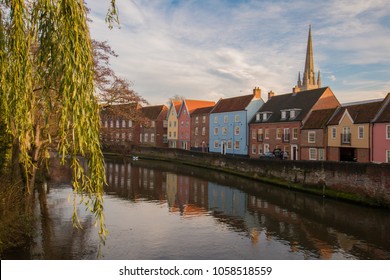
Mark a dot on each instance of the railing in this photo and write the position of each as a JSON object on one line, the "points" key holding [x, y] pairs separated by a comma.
{"points": [[345, 138]]}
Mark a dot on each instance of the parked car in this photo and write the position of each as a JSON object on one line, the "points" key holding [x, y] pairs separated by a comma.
{"points": [[267, 155]]}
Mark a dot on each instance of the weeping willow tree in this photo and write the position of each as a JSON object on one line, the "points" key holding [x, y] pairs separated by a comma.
{"points": [[47, 93]]}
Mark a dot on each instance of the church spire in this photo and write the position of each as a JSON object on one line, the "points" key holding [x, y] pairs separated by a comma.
{"points": [[309, 80]]}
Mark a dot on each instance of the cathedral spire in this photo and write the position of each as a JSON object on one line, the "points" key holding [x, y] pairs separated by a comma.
{"points": [[309, 80]]}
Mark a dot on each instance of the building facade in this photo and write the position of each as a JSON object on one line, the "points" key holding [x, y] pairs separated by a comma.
{"points": [[381, 134], [200, 126], [349, 132], [277, 125], [184, 120], [229, 119], [153, 132], [173, 129]]}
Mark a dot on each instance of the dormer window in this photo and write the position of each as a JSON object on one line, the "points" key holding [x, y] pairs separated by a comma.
{"points": [[258, 117], [292, 114], [265, 116], [284, 114]]}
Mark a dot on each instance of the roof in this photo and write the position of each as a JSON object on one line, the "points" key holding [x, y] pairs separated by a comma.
{"points": [[152, 112], [360, 113], [204, 110], [318, 118], [232, 104], [195, 104], [384, 114], [302, 101]]}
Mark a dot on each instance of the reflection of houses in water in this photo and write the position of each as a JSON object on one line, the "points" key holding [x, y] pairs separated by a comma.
{"points": [[134, 182], [186, 195]]}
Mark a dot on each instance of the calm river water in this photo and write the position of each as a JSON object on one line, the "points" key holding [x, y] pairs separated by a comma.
{"points": [[160, 210]]}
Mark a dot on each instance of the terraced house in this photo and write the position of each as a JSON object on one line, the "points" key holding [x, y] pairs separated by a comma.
{"points": [[349, 131], [277, 125], [381, 133], [229, 121], [154, 130], [200, 126], [173, 128], [188, 106]]}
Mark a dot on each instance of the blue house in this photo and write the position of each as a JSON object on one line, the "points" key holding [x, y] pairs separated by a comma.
{"points": [[229, 121]]}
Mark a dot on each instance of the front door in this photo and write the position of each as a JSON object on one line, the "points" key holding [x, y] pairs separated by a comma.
{"points": [[294, 152]]}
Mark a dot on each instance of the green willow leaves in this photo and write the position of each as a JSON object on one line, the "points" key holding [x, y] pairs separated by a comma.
{"points": [[47, 91]]}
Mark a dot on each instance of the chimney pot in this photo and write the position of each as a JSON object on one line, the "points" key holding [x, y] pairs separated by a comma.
{"points": [[257, 92], [271, 94]]}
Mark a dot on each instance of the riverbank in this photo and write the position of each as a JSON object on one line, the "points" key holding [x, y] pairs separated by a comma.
{"points": [[363, 183]]}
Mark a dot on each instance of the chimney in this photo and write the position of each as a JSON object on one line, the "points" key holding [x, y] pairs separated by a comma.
{"points": [[257, 92], [270, 94]]}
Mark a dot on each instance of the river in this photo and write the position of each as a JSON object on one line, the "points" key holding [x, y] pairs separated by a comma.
{"points": [[161, 210]]}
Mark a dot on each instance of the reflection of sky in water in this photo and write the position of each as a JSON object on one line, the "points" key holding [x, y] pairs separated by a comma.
{"points": [[172, 212]]}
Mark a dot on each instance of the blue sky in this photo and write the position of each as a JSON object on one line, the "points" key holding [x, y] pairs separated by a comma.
{"points": [[217, 49]]}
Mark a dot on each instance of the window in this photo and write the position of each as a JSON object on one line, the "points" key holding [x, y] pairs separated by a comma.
{"points": [[292, 114], [111, 123], [388, 132], [237, 118], [229, 144], [117, 124], [187, 123], [197, 120], [204, 119], [260, 134], [170, 124], [153, 124], [334, 132], [260, 149], [123, 123], [254, 134], [361, 132], [283, 115], [266, 134], [346, 135], [203, 131], [215, 130], [181, 123], [216, 119], [196, 130], [265, 116], [130, 135], [216, 144], [312, 154], [257, 117], [321, 154], [146, 138], [174, 134], [295, 133], [311, 137], [174, 123], [286, 135], [388, 156], [105, 124], [236, 130], [278, 133], [254, 149], [170, 134], [266, 148], [224, 130], [152, 138], [225, 119], [237, 145], [140, 137]]}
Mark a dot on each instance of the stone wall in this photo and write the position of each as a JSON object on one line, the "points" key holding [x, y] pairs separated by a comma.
{"points": [[361, 182]]}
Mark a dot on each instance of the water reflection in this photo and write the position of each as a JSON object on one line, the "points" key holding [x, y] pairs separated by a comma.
{"points": [[159, 210]]}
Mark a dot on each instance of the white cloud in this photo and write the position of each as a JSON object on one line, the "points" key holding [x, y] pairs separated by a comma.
{"points": [[219, 49]]}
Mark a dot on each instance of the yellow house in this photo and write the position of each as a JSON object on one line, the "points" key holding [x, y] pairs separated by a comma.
{"points": [[173, 127], [349, 132]]}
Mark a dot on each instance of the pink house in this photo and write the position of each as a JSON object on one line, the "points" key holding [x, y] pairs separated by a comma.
{"points": [[184, 120], [381, 133]]}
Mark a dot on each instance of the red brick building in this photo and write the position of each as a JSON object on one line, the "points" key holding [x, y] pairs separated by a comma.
{"points": [[154, 131], [278, 123], [200, 126]]}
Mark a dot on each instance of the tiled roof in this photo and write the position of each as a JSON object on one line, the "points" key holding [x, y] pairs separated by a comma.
{"points": [[360, 113], [384, 115], [303, 101], [204, 110], [195, 104], [177, 105], [232, 104], [152, 112], [318, 118]]}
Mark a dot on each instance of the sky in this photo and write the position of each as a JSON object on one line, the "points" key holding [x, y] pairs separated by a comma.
{"points": [[212, 49]]}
